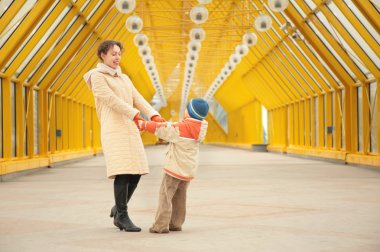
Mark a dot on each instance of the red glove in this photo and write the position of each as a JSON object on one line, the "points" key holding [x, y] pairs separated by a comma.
{"points": [[157, 118], [136, 119], [141, 125]]}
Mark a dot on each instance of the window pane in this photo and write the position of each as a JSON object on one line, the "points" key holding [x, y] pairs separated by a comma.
{"points": [[13, 120], [219, 114], [16, 21], [374, 127], [360, 118], [36, 124]]}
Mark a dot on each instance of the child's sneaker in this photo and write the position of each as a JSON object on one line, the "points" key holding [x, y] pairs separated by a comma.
{"points": [[164, 231], [174, 228]]}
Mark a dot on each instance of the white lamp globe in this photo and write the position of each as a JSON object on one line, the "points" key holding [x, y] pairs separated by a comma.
{"points": [[235, 59], [148, 60], [192, 56], [278, 5], [197, 34], [242, 50], [134, 24], [191, 64], [250, 39], [263, 23], [229, 66], [150, 67], [125, 6], [140, 40], [199, 14], [226, 72], [204, 1], [194, 46], [144, 51]]}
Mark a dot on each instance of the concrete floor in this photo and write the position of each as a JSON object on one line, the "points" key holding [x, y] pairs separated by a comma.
{"points": [[240, 200]]}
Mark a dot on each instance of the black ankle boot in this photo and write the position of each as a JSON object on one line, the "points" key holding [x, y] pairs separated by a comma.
{"points": [[123, 222]]}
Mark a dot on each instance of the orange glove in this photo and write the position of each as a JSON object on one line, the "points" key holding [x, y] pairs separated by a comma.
{"points": [[157, 118], [136, 119]]}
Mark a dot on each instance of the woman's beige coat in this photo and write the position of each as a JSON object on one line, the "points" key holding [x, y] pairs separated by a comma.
{"points": [[115, 99]]}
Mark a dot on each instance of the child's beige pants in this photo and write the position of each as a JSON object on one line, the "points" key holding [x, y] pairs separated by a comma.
{"points": [[172, 204]]}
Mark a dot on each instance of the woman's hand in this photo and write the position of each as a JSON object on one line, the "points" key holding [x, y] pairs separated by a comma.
{"points": [[138, 121], [157, 118]]}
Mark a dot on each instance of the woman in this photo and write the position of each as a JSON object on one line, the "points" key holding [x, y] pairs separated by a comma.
{"points": [[115, 98]]}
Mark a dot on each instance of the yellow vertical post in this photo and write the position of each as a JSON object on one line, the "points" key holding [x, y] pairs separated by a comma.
{"points": [[30, 121], [19, 120], [6, 106], [351, 123], [302, 122], [296, 124], [286, 123], [291, 124], [338, 120], [307, 122], [59, 115], [52, 126], [65, 124], [321, 122], [328, 115], [313, 138], [43, 124], [365, 116]]}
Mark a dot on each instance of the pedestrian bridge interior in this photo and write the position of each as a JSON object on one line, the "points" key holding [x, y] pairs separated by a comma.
{"points": [[306, 86], [296, 78]]}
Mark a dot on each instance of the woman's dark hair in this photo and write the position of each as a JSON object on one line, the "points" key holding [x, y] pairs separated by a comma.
{"points": [[106, 45]]}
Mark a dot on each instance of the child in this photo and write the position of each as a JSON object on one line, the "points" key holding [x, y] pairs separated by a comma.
{"points": [[180, 164]]}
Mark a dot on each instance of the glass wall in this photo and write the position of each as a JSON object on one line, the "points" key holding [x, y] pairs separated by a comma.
{"points": [[374, 127], [36, 124]]}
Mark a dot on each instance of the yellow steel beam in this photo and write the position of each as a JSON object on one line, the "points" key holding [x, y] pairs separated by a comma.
{"points": [[6, 107], [369, 64], [321, 122], [9, 15], [46, 46], [22, 32], [307, 123], [355, 22], [369, 12], [20, 116], [35, 38], [321, 49]]}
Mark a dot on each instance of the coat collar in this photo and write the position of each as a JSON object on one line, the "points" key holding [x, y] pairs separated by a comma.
{"points": [[102, 68]]}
